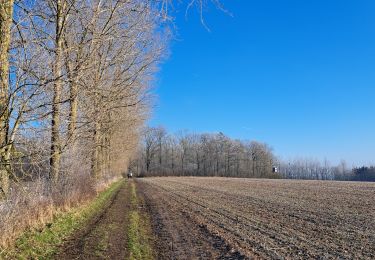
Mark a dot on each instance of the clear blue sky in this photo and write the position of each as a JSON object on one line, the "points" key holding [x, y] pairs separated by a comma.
{"points": [[299, 75]]}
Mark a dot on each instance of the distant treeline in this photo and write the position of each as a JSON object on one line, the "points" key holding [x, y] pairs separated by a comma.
{"points": [[311, 169], [363, 174], [189, 154]]}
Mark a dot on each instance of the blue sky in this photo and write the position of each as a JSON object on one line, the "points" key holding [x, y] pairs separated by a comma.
{"points": [[299, 75]]}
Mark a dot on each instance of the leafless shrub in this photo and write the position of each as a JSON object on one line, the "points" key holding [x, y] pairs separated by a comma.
{"points": [[28, 205]]}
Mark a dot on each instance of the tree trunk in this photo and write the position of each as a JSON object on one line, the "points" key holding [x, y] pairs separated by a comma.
{"points": [[95, 153], [198, 165], [172, 161], [108, 155], [57, 71], [73, 110], [73, 69], [6, 16], [160, 152]]}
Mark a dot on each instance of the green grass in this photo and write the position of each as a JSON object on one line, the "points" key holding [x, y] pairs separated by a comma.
{"points": [[138, 234], [43, 244], [102, 246]]}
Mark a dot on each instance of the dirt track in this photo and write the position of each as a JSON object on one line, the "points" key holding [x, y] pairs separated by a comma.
{"points": [[105, 236], [271, 219]]}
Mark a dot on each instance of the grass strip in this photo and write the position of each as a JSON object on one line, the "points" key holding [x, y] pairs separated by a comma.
{"points": [[43, 244], [138, 234]]}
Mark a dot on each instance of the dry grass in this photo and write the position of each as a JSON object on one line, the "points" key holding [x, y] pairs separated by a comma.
{"points": [[33, 205]]}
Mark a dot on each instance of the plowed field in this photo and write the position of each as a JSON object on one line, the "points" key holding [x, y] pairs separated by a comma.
{"points": [[250, 218]]}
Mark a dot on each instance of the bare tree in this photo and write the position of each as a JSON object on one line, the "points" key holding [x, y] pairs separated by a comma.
{"points": [[6, 16]]}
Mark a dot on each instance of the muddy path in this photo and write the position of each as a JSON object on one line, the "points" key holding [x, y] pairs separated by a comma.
{"points": [[173, 234], [105, 236], [178, 235]]}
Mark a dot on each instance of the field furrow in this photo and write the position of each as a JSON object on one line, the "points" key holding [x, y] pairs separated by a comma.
{"points": [[278, 218]]}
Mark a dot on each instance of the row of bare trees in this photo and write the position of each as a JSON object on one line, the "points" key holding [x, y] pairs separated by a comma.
{"points": [[201, 155], [310, 169], [74, 85], [313, 169], [190, 154]]}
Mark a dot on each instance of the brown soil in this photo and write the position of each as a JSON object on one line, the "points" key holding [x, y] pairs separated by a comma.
{"points": [[267, 219], [178, 234], [105, 236], [224, 218]]}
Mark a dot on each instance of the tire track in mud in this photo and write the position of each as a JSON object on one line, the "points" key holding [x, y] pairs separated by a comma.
{"points": [[105, 237]]}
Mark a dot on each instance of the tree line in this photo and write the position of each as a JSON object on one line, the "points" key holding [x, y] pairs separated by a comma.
{"points": [[75, 78], [74, 82], [363, 173], [191, 154], [312, 169], [163, 154]]}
